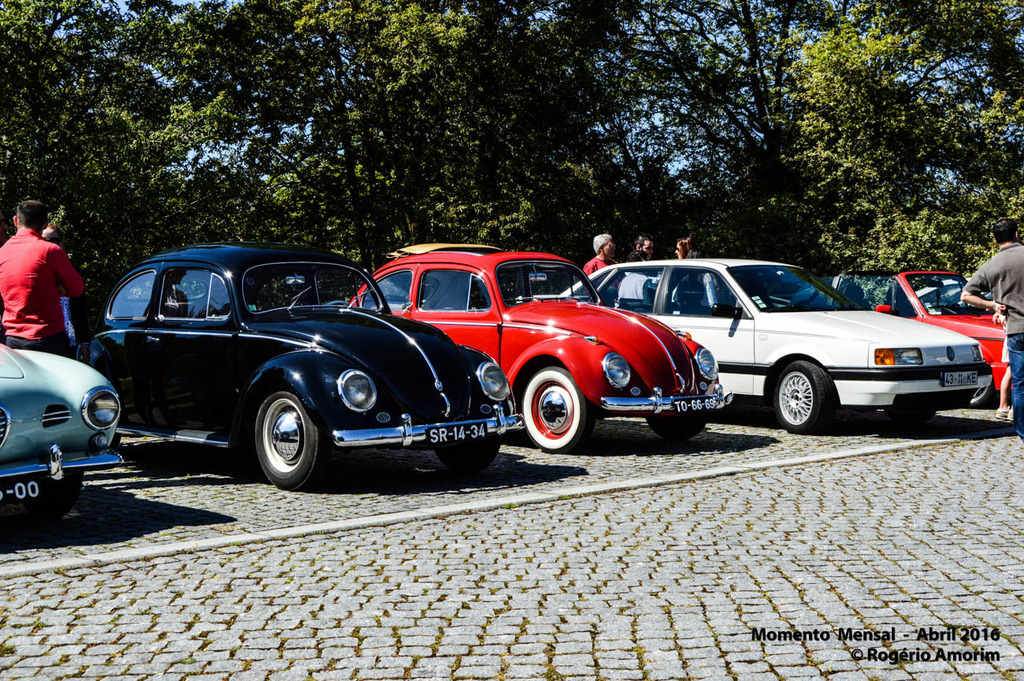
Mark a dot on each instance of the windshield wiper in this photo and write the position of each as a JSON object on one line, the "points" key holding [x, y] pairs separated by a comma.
{"points": [[299, 295]]}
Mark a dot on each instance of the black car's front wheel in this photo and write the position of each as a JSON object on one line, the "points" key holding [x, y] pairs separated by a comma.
{"points": [[56, 497], [292, 450], [469, 457]]}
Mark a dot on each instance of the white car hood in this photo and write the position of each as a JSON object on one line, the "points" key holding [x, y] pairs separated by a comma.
{"points": [[871, 327]]}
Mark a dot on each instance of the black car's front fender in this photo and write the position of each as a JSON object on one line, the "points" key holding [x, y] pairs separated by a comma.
{"points": [[311, 376]]}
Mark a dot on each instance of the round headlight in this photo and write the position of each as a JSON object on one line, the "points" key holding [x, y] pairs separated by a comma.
{"points": [[100, 408], [357, 390], [707, 364], [616, 369], [493, 381]]}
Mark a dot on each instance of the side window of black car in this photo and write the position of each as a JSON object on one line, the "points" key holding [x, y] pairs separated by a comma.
{"points": [[453, 291], [193, 294], [220, 302], [396, 288], [132, 300]]}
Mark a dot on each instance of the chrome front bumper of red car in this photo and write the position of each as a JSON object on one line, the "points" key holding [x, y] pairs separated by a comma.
{"points": [[658, 403]]}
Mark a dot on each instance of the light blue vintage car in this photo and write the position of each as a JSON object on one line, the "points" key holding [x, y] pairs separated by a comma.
{"points": [[57, 419]]}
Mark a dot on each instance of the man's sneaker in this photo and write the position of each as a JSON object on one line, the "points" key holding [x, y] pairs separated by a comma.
{"points": [[1004, 414]]}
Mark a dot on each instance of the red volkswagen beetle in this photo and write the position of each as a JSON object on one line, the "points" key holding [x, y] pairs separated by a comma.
{"points": [[570, 360]]}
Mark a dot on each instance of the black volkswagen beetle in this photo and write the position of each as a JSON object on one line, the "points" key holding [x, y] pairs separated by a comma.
{"points": [[292, 349]]}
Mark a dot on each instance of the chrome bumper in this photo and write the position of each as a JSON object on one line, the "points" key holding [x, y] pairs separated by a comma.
{"points": [[657, 403], [407, 434], [57, 465]]}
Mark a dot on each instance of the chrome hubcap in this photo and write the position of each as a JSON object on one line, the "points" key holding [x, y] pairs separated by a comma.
{"points": [[796, 397], [555, 409], [283, 435], [287, 436]]}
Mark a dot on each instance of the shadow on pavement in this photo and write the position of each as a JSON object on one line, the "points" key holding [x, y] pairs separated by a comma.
{"points": [[103, 515], [355, 471], [623, 437], [859, 423]]}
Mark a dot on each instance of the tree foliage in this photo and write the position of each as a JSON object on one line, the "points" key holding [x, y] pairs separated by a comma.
{"points": [[833, 133]]}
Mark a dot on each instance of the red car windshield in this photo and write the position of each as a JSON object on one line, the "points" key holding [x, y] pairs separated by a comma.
{"points": [[939, 293]]}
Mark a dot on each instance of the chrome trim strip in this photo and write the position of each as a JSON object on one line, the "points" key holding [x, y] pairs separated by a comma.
{"points": [[102, 459], [657, 403], [539, 327], [55, 417], [282, 339], [178, 332], [201, 437], [407, 434], [439, 323], [675, 368]]}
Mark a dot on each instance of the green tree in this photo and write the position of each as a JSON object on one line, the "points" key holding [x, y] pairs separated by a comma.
{"points": [[909, 133], [89, 130]]}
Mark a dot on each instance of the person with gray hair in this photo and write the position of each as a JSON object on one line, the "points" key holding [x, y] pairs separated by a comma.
{"points": [[604, 247]]}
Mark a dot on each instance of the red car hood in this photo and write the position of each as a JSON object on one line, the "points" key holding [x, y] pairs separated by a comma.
{"points": [[973, 327], [645, 343]]}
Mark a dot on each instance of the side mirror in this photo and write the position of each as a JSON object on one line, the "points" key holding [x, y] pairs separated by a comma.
{"points": [[884, 309], [727, 311]]}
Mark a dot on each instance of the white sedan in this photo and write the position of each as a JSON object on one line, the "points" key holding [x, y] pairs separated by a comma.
{"points": [[784, 337]]}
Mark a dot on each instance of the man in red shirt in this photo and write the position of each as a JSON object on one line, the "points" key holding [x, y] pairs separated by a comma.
{"points": [[605, 249], [32, 273]]}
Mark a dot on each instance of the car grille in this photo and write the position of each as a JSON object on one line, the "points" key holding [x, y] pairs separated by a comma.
{"points": [[5, 420], [55, 415]]}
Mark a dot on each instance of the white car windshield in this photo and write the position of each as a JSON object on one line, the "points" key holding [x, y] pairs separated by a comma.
{"points": [[305, 284], [781, 288], [528, 281]]}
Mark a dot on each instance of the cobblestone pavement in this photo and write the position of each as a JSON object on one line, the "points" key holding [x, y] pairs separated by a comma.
{"points": [[171, 492], [668, 582]]}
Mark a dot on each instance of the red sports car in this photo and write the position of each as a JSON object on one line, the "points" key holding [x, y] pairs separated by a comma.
{"points": [[933, 298], [570, 361]]}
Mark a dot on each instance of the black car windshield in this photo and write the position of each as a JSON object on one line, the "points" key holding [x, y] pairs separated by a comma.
{"points": [[304, 284], [939, 292], [781, 288], [527, 281]]}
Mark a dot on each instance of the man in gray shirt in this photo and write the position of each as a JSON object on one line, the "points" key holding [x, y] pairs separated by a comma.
{"points": [[1003, 277]]}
